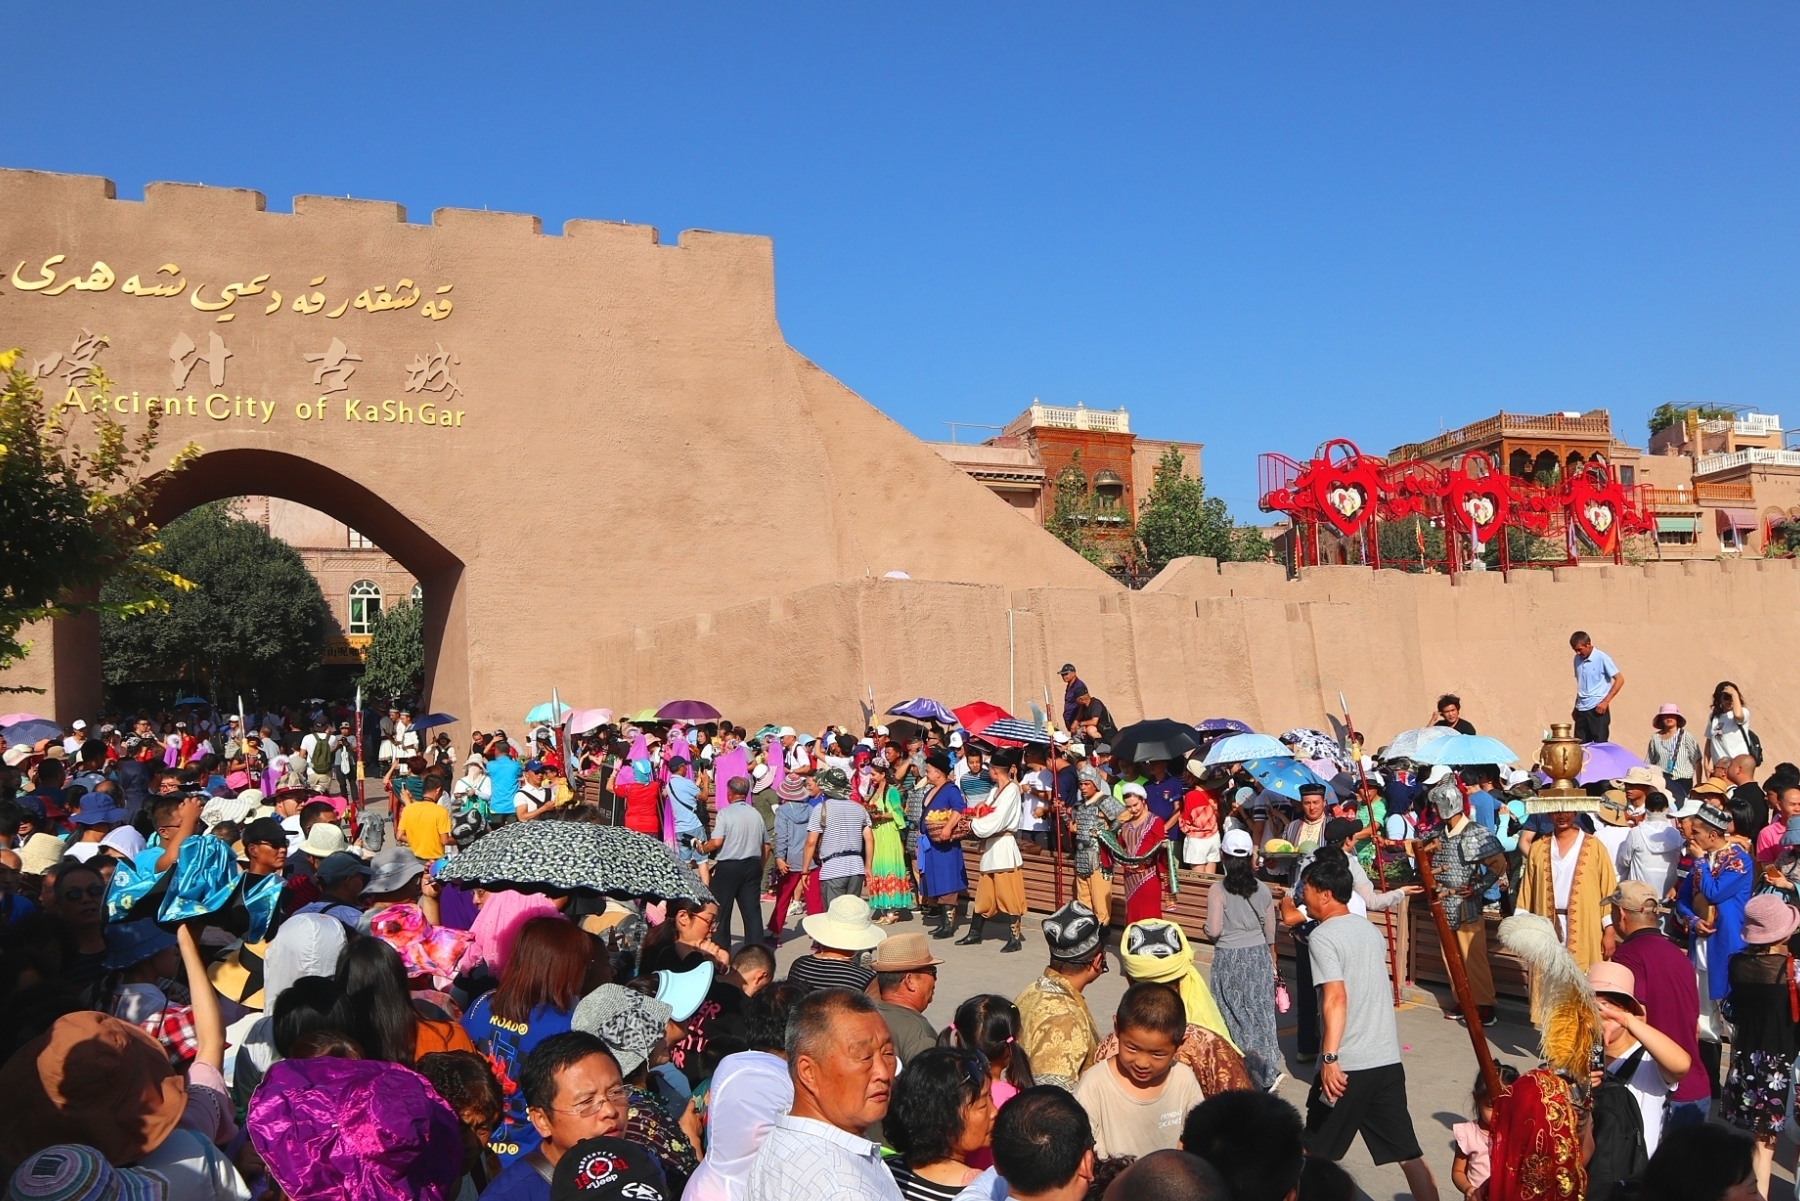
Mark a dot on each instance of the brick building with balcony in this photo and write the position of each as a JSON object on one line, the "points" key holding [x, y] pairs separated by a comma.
{"points": [[1718, 486], [1531, 446], [1022, 463]]}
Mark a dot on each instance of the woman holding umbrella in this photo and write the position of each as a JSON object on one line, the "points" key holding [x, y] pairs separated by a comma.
{"points": [[941, 868]]}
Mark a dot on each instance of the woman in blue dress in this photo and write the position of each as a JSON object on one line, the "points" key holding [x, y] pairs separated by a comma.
{"points": [[942, 875]]}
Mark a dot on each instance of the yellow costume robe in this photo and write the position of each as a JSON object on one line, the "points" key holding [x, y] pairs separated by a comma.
{"points": [[1594, 881]]}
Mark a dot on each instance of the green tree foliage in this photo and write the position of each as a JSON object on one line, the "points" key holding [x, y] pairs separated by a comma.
{"points": [[1072, 510], [254, 619], [75, 492], [394, 660], [1399, 543], [1666, 414], [1178, 518]]}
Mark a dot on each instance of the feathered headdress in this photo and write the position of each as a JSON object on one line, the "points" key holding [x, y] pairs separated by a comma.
{"points": [[1568, 1021]]}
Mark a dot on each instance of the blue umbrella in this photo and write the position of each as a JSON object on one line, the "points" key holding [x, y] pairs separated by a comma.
{"points": [[1014, 730], [1284, 776], [27, 732], [1463, 750], [193, 700], [1236, 748], [1223, 725], [433, 719], [923, 709], [546, 713]]}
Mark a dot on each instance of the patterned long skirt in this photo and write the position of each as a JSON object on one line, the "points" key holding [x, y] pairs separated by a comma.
{"points": [[1756, 1091], [890, 886], [1243, 983]]}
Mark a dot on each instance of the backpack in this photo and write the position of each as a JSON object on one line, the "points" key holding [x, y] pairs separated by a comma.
{"points": [[321, 755], [1618, 1131]]}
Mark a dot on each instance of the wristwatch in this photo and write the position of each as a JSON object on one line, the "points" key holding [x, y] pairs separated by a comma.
{"points": [[1328, 1057]]}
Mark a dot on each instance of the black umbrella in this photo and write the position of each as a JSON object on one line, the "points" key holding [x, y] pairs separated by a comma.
{"points": [[564, 855], [1158, 738]]}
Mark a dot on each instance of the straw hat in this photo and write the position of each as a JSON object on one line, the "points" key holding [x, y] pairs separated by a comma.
{"points": [[846, 926], [40, 853], [903, 953], [91, 1079]]}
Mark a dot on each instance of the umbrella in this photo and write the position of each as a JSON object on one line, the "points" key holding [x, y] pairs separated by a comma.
{"points": [[26, 732], [643, 716], [1011, 729], [1236, 748], [193, 700], [546, 713], [1157, 738], [1462, 750], [977, 716], [687, 711], [923, 709], [1316, 744], [1283, 776], [1407, 743], [580, 721], [558, 855], [1606, 761], [1223, 725], [13, 719], [433, 719]]}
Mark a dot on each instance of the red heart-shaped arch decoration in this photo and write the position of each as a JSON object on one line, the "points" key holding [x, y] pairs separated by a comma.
{"points": [[1482, 503], [1344, 491], [1596, 506]]}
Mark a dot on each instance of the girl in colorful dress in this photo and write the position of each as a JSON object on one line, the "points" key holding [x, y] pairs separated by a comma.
{"points": [[890, 886]]}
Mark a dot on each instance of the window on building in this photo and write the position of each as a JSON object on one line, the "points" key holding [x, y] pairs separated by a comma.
{"points": [[1109, 489], [360, 541], [1628, 476], [418, 593], [365, 606]]}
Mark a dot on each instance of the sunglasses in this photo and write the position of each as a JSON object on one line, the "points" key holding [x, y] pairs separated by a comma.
{"points": [[92, 890]]}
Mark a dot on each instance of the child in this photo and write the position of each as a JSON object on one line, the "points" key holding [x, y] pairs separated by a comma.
{"points": [[1469, 1168], [1138, 1099], [991, 1024], [1199, 823]]}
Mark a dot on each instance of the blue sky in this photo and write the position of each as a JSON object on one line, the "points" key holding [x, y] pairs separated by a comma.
{"points": [[1258, 226]]}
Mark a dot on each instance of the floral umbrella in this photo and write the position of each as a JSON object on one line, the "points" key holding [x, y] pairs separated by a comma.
{"points": [[1316, 744], [562, 855]]}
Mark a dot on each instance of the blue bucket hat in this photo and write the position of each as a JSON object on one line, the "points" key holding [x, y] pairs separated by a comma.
{"points": [[130, 943], [98, 807]]}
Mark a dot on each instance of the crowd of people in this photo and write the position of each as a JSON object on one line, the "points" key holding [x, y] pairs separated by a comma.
{"points": [[232, 964]]}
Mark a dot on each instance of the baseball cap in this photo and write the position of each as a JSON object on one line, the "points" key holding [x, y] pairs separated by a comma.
{"points": [[1065, 667], [265, 831], [335, 869], [534, 765], [1338, 829], [1237, 843], [607, 1169], [1634, 896]]}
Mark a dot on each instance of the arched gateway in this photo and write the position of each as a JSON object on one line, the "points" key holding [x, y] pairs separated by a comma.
{"points": [[565, 438]]}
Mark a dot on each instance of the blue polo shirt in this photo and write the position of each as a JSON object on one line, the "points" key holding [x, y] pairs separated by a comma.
{"points": [[503, 780], [1593, 679]]}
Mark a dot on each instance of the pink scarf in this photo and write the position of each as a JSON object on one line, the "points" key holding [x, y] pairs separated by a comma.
{"points": [[497, 927], [726, 768]]}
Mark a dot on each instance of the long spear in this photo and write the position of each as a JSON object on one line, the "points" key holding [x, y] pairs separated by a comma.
{"points": [[1459, 980]]}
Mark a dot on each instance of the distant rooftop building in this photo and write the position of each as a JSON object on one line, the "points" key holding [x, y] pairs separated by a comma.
{"points": [[1021, 464], [1530, 446]]}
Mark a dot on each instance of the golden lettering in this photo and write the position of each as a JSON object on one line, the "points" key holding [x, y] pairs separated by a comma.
{"points": [[315, 283], [459, 415], [227, 295], [352, 411], [428, 414], [339, 311], [73, 401], [363, 302], [303, 410], [118, 404], [221, 398], [48, 276], [254, 287], [97, 280], [274, 304], [387, 410], [437, 311], [309, 304], [445, 290], [268, 411], [136, 287], [191, 402]]}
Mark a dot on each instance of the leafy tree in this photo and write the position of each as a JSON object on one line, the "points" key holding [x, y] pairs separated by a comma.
{"points": [[1399, 543], [1072, 512], [1178, 518], [254, 618], [74, 507], [1666, 414], [394, 660]]}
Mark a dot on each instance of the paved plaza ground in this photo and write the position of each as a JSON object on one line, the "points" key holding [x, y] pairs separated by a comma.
{"points": [[1440, 1063]]}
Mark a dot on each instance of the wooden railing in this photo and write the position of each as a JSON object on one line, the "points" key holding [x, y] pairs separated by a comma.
{"points": [[1490, 428], [1695, 495]]}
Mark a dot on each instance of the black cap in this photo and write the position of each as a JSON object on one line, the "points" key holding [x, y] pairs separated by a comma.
{"points": [[1338, 829], [265, 831], [1065, 668], [338, 867], [602, 1169], [1313, 788]]}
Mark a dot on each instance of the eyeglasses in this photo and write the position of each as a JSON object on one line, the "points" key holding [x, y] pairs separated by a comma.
{"points": [[92, 890], [616, 1097]]}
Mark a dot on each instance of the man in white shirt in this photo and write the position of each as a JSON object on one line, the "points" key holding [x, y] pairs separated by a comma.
{"points": [[1038, 794], [1643, 1058], [1001, 889], [1653, 847], [841, 1062]]}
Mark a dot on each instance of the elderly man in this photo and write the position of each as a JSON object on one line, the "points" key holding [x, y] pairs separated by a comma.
{"points": [[1056, 1028], [841, 1061], [906, 975]]}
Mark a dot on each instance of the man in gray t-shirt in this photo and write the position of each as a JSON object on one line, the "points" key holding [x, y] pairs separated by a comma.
{"points": [[1361, 1085], [741, 842]]}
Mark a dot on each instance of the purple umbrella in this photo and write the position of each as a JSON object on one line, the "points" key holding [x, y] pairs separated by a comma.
{"points": [[923, 709], [687, 711], [432, 720], [1223, 725], [1605, 761], [27, 732]]}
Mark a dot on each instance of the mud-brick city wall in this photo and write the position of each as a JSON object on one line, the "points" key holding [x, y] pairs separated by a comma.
{"points": [[1244, 641]]}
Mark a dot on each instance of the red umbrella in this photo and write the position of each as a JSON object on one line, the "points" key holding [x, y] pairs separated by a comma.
{"points": [[977, 716]]}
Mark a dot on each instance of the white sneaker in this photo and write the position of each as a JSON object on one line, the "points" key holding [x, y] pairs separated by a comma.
{"points": [[1276, 1083]]}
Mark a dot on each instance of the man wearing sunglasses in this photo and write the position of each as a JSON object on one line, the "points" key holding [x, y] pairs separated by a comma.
{"points": [[75, 893]]}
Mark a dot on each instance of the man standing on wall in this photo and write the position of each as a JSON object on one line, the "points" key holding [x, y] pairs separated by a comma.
{"points": [[1072, 690], [1597, 681], [1449, 713]]}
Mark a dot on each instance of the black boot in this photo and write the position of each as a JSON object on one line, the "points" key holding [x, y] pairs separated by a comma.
{"points": [[934, 918], [1013, 941], [973, 937], [952, 919]]}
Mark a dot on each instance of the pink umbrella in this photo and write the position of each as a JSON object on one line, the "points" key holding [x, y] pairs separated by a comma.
{"points": [[13, 719], [582, 720]]}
